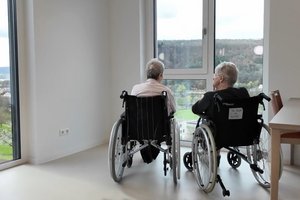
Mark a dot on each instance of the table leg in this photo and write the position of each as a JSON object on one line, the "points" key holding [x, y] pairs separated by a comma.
{"points": [[275, 162]]}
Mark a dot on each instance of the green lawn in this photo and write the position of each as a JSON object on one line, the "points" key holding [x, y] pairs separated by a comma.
{"points": [[5, 152]]}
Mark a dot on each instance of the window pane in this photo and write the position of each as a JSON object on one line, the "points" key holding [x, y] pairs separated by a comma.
{"points": [[5, 115], [179, 33], [239, 39], [186, 93], [9, 129]]}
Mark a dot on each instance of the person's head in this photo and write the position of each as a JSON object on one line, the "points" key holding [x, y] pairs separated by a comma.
{"points": [[155, 69], [226, 74]]}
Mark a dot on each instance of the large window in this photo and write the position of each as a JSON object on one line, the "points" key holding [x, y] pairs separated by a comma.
{"points": [[9, 109], [193, 36], [239, 39], [179, 36], [180, 45]]}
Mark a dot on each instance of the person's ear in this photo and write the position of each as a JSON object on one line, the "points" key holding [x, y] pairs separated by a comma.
{"points": [[221, 78]]}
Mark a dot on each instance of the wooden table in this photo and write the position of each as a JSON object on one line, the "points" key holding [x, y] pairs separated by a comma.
{"points": [[285, 121]]}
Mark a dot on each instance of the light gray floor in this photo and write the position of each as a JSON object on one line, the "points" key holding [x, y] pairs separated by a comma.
{"points": [[85, 176]]}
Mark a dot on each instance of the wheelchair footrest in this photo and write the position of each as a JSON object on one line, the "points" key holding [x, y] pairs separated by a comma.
{"points": [[256, 168], [225, 191]]}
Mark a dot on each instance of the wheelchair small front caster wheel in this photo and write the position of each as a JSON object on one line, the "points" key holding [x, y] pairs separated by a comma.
{"points": [[187, 160], [233, 159]]}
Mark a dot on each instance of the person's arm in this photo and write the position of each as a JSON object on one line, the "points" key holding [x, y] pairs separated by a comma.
{"points": [[201, 105], [134, 90], [172, 103], [245, 91]]}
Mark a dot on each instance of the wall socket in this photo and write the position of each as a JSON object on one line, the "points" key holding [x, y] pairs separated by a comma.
{"points": [[63, 131]]}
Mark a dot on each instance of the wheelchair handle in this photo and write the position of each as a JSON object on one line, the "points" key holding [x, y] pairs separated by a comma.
{"points": [[264, 96], [164, 93], [123, 94]]}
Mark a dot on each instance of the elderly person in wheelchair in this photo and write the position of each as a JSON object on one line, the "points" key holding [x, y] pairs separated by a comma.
{"points": [[147, 125], [229, 118], [152, 87], [226, 75]]}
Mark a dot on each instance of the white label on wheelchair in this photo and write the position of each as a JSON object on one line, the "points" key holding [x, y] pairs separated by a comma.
{"points": [[235, 113]]}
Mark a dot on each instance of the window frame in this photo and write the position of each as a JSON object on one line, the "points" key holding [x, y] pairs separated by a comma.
{"points": [[207, 44], [14, 78], [205, 41]]}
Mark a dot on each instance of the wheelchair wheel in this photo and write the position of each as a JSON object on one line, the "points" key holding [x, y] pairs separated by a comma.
{"points": [[234, 159], [260, 155], [175, 151], [117, 152], [204, 158]]}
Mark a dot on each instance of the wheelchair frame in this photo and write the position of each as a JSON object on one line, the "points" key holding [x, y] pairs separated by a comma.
{"points": [[203, 158], [125, 142]]}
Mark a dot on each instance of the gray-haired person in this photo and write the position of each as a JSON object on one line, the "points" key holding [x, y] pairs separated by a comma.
{"points": [[153, 87], [226, 75]]}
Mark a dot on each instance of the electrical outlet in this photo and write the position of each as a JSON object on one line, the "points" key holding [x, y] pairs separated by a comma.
{"points": [[63, 131]]}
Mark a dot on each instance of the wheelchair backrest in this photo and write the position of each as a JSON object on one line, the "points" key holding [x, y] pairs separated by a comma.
{"points": [[237, 121], [146, 118]]}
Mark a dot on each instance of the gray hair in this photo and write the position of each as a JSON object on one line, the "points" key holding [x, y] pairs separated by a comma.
{"points": [[229, 71], [154, 68]]}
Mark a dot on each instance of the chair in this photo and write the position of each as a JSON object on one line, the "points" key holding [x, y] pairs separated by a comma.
{"points": [[237, 122], [144, 126], [287, 138]]}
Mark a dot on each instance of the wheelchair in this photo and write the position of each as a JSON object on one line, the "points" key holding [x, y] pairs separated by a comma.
{"points": [[237, 123], [145, 123]]}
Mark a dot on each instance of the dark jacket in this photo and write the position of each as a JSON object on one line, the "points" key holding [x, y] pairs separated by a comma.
{"points": [[205, 105]]}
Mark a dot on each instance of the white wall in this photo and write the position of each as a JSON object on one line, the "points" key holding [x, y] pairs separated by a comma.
{"points": [[126, 49], [284, 51], [66, 75]]}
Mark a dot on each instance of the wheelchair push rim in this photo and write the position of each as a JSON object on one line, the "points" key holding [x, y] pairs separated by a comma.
{"points": [[175, 151], [260, 155], [204, 158], [117, 152]]}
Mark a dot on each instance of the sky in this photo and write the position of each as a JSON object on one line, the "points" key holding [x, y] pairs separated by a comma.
{"points": [[235, 19]]}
